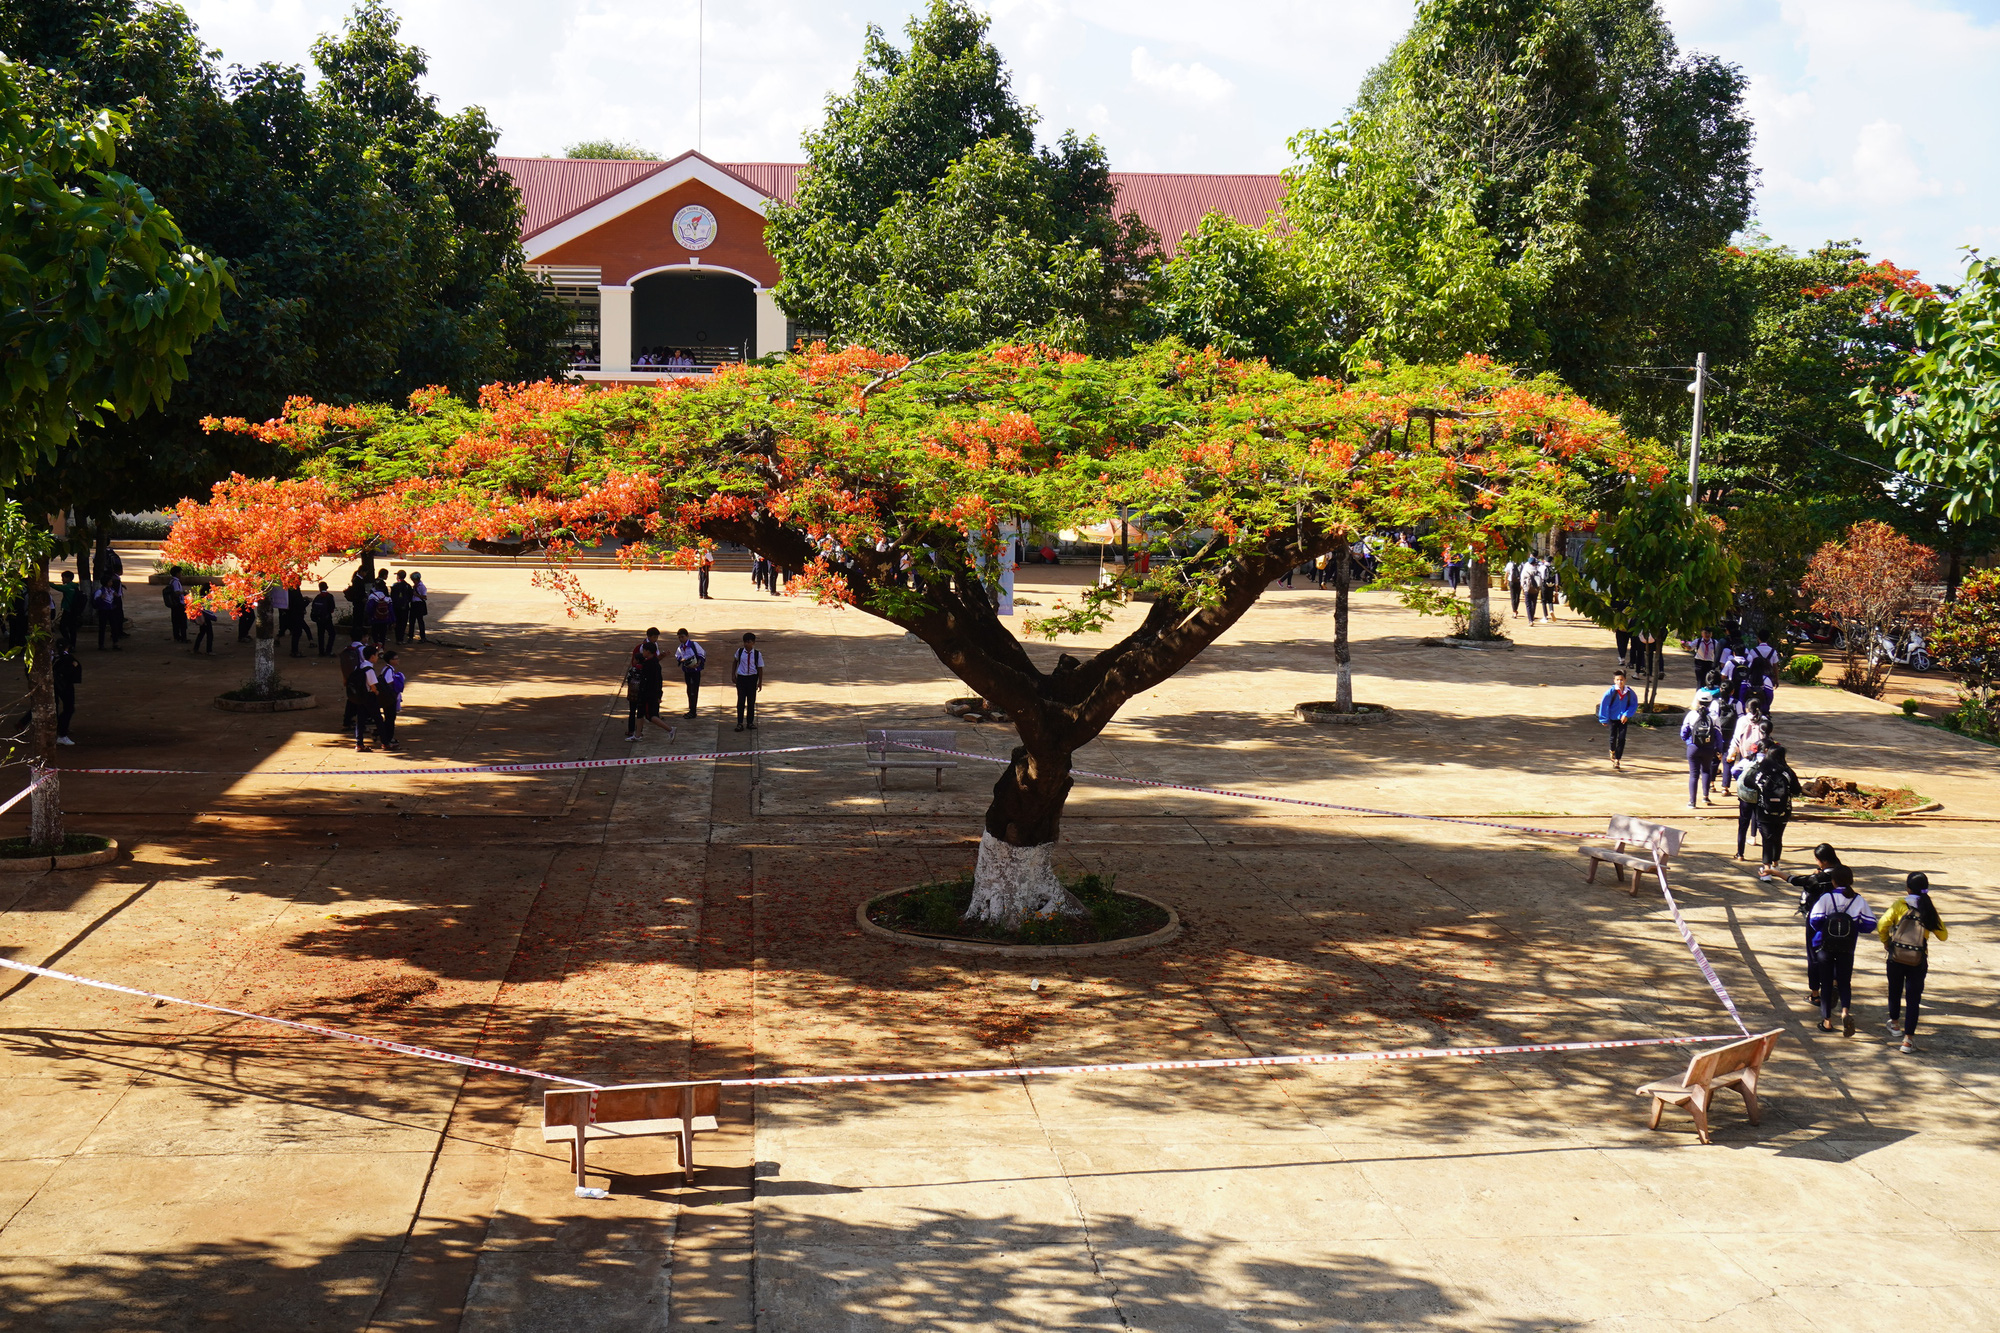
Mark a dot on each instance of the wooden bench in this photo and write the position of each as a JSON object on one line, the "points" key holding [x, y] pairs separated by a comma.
{"points": [[630, 1111], [1733, 1066], [1627, 831], [889, 749]]}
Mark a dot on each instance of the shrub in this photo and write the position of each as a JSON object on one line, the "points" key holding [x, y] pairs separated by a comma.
{"points": [[1910, 707], [1803, 669]]}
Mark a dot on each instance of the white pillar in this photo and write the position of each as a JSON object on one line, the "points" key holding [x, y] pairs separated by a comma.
{"points": [[770, 323], [614, 329]]}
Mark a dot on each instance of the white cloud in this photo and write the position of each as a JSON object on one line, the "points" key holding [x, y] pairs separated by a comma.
{"points": [[1193, 82], [1885, 165]]}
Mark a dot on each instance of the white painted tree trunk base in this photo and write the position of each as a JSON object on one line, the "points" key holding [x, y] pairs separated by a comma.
{"points": [[1012, 883], [265, 658], [45, 825]]}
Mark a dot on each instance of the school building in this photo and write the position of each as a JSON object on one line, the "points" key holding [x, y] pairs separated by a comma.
{"points": [[664, 263]]}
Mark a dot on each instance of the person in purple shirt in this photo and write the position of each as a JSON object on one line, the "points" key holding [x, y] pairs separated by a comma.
{"points": [[1702, 732], [1836, 923], [1616, 710]]}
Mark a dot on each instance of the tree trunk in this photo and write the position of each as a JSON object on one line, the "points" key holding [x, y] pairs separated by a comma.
{"points": [[1343, 579], [1481, 624], [368, 562], [1016, 874], [45, 830], [265, 645]]}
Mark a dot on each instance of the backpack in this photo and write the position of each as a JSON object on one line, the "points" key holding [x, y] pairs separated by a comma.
{"points": [[357, 685], [1704, 726], [1909, 943], [1837, 927], [1773, 792]]}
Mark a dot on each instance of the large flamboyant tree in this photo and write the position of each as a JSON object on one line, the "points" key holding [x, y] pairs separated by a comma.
{"points": [[891, 485]]}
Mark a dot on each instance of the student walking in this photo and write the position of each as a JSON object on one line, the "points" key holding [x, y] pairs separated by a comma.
{"points": [[381, 614], [1512, 574], [364, 698], [1531, 590], [1763, 670], [1768, 787], [323, 608], [69, 617], [350, 658], [1812, 886], [691, 658], [1837, 921], [1706, 649], [68, 672], [420, 607], [204, 630], [1616, 710], [747, 669], [1906, 931], [109, 599], [1701, 731], [1549, 584], [701, 579], [399, 604], [175, 596], [644, 686], [389, 692]]}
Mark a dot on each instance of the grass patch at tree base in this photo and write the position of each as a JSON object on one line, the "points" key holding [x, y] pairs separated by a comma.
{"points": [[73, 844], [938, 910]]}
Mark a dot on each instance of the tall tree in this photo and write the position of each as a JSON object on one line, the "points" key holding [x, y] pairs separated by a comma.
{"points": [[1242, 291], [856, 467], [931, 152], [1548, 180], [100, 299]]}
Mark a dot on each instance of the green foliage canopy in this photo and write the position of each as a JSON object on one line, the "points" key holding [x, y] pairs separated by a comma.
{"points": [[1658, 565], [1242, 291]]}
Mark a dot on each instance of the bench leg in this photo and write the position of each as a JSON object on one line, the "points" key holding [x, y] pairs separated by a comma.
{"points": [[1594, 863], [1699, 1110], [1659, 1105], [576, 1156]]}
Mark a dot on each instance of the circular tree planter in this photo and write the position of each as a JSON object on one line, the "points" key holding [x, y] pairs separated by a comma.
{"points": [[949, 944], [285, 701], [1478, 645], [1325, 714], [79, 850]]}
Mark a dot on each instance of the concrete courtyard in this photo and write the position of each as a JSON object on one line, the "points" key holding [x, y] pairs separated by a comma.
{"points": [[166, 1168]]}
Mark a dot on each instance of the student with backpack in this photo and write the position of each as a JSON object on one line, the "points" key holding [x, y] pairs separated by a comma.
{"points": [[1701, 730], [747, 670], [1768, 787], [1531, 589], [1837, 921], [692, 658], [1812, 886], [364, 698], [1616, 710], [1906, 931]]}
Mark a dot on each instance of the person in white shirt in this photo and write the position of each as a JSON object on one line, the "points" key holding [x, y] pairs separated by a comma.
{"points": [[692, 658], [748, 671]]}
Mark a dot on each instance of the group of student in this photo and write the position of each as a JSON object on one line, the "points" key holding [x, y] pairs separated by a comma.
{"points": [[1835, 919], [645, 680], [374, 688], [1533, 581]]}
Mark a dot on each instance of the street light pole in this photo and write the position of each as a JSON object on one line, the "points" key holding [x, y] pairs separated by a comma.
{"points": [[1698, 389]]}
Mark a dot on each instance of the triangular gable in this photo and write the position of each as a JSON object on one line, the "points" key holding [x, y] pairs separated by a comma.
{"points": [[689, 166]]}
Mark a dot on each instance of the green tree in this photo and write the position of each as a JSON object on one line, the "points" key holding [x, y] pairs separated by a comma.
{"points": [[1242, 291], [1965, 640], [100, 300], [1548, 180], [1940, 410], [1658, 564], [611, 150], [476, 313], [932, 150]]}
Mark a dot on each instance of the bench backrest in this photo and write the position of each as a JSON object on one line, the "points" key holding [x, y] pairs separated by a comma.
{"points": [[1627, 829], [629, 1101], [882, 741], [1750, 1053]]}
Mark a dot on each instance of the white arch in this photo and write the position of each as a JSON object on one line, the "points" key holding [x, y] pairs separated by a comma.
{"points": [[695, 268]]}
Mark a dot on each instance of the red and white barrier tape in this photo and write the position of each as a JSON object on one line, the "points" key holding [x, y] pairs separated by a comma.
{"points": [[318, 1031], [1700, 958], [1232, 1062], [551, 766], [24, 793]]}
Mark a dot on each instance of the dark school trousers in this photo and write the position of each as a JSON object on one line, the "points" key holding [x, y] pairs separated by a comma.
{"points": [[1701, 670], [1746, 823], [66, 709], [179, 616], [1815, 969], [367, 715], [1836, 986], [641, 703], [746, 700], [1624, 642], [205, 634], [419, 613], [385, 726], [1618, 740], [297, 630], [693, 679], [1701, 772], [1906, 992], [1774, 837], [1514, 599], [323, 636], [701, 583]]}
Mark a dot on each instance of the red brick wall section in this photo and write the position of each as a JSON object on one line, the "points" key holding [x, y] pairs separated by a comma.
{"points": [[643, 238]]}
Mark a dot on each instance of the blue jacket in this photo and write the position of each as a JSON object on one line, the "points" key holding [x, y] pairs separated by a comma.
{"points": [[1844, 901], [1611, 708]]}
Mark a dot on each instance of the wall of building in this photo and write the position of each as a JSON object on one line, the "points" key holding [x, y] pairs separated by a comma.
{"points": [[643, 238]]}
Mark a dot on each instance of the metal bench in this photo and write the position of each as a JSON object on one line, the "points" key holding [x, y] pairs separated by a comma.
{"points": [[581, 1116], [1626, 831], [1733, 1066], [890, 748]]}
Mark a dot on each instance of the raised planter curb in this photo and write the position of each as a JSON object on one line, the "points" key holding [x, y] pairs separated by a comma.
{"points": [[1324, 715], [1097, 950], [265, 705], [1478, 645], [36, 865]]}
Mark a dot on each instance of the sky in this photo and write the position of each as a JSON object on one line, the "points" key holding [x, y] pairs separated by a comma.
{"points": [[1877, 120]]}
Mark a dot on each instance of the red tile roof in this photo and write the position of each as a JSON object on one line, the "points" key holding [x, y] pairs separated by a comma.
{"points": [[1172, 204]]}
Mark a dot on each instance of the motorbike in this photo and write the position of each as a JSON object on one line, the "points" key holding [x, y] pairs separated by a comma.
{"points": [[1905, 648], [1814, 629]]}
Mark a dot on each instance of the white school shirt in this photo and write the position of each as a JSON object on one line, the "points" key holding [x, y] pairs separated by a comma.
{"points": [[749, 662], [691, 651]]}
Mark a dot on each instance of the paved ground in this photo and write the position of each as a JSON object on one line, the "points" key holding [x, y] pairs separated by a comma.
{"points": [[161, 1169]]}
